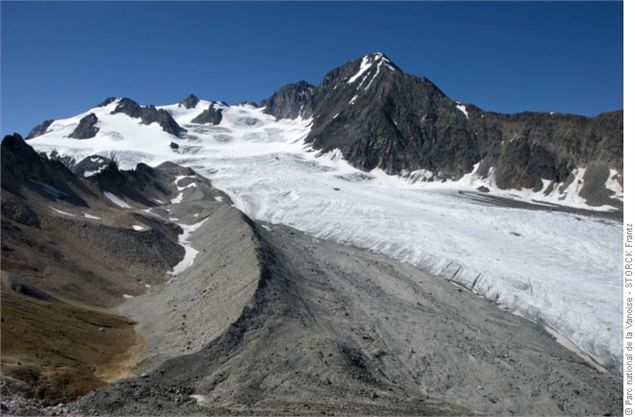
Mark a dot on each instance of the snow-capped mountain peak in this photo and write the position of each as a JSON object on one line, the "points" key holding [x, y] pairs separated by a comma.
{"points": [[189, 101]]}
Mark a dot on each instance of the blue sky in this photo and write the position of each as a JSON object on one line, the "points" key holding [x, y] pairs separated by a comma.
{"points": [[59, 59]]}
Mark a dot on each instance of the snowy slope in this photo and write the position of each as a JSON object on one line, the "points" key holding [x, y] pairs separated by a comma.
{"points": [[559, 268]]}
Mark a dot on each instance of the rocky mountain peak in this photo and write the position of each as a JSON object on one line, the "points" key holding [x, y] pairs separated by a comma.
{"points": [[291, 101], [39, 129], [211, 115], [107, 101], [189, 102], [377, 59]]}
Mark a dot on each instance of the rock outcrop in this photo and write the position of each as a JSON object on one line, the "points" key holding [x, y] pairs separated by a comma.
{"points": [[148, 115], [210, 115], [291, 101], [87, 127], [39, 129], [189, 102]]}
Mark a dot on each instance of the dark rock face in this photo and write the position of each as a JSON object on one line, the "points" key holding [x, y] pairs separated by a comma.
{"points": [[594, 190], [39, 129], [133, 184], [86, 128], [68, 161], [483, 189], [18, 285], [189, 102], [20, 212], [211, 115], [247, 103], [148, 115], [90, 165], [23, 168], [541, 145], [385, 118], [107, 101], [379, 116], [291, 101]]}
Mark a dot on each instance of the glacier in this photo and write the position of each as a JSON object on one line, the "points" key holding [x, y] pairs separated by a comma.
{"points": [[559, 269]]}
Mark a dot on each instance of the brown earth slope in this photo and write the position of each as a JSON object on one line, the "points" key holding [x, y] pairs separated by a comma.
{"points": [[69, 253], [60, 350]]}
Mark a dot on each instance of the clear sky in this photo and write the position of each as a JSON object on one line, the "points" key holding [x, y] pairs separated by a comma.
{"points": [[59, 59]]}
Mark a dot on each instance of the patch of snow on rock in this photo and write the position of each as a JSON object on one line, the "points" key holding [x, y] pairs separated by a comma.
{"points": [[177, 199], [116, 200], [190, 252], [363, 67], [61, 211], [463, 110]]}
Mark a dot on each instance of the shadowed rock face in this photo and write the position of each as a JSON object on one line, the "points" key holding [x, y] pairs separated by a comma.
{"points": [[23, 169], [594, 191], [107, 101], [90, 165], [211, 115], [189, 102], [149, 114], [134, 184], [18, 285], [291, 101], [383, 117], [67, 160], [86, 128], [39, 129], [246, 103], [17, 210]]}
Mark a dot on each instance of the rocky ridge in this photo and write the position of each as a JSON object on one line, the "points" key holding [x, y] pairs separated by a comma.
{"points": [[381, 117]]}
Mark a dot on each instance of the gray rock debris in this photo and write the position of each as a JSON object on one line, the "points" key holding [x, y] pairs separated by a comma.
{"points": [[337, 330]]}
